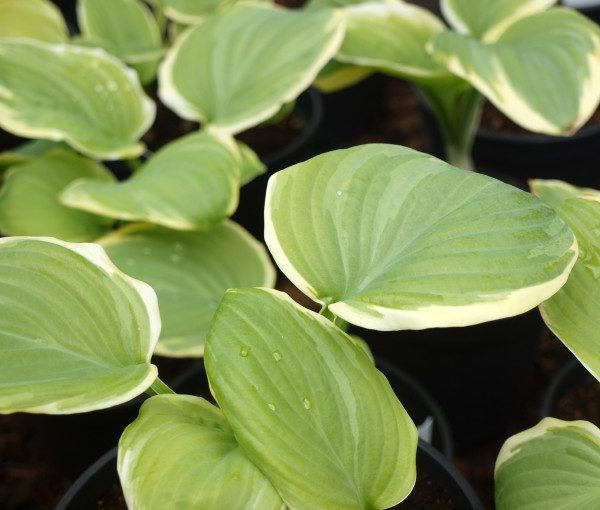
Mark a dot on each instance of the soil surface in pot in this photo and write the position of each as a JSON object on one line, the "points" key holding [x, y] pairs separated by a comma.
{"points": [[580, 402], [494, 120], [427, 495]]}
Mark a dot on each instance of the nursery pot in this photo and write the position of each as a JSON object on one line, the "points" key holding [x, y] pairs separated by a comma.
{"points": [[589, 8], [72, 440], [309, 112], [101, 479], [475, 373], [572, 394]]}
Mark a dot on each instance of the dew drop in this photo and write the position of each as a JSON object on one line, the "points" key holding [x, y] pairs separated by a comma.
{"points": [[244, 350], [339, 193], [277, 355], [271, 407], [307, 404], [174, 257]]}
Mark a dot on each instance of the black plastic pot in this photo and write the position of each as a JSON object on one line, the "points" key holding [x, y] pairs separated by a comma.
{"points": [[98, 480], [71, 441], [591, 11], [571, 375], [475, 373], [309, 108], [421, 406]]}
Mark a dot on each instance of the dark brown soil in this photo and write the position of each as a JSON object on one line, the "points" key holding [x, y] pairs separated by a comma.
{"points": [[427, 495], [266, 139], [494, 120], [580, 402]]}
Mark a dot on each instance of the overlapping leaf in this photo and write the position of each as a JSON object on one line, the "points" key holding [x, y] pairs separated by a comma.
{"points": [[555, 464], [29, 198], [265, 58], [390, 238], [80, 95], [573, 314], [392, 37], [486, 19], [191, 183], [555, 192], [301, 397], [543, 72], [76, 334], [190, 272], [35, 19], [180, 453], [125, 28]]}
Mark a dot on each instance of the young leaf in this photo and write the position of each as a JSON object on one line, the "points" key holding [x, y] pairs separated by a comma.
{"points": [[266, 57], [180, 453], [555, 464], [543, 72], [192, 12], [337, 76], [191, 183], [190, 272], [554, 192], [126, 29], [391, 239], [392, 37], [487, 19], [80, 95], [308, 406], [573, 314], [76, 334], [35, 19], [251, 165], [29, 203]]}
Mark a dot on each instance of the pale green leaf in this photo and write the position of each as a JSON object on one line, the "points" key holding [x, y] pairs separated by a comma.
{"points": [[391, 238], [80, 95], [180, 453], [29, 198], [266, 57], [76, 334], [125, 28], [251, 166], [35, 19], [308, 406], [190, 272], [26, 152], [194, 12], [337, 76], [543, 72], [392, 37], [487, 19], [554, 193], [189, 184], [552, 466], [573, 314]]}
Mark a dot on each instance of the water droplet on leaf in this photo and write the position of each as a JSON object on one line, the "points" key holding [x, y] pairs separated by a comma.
{"points": [[307, 404], [277, 355], [244, 350], [271, 407]]}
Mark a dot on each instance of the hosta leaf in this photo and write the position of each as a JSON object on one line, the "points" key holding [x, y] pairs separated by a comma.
{"points": [[35, 19], [180, 453], [76, 334], [29, 198], [554, 192], [192, 12], [573, 314], [486, 19], [245, 79], [392, 37], [554, 465], [337, 76], [391, 238], [251, 165], [190, 272], [543, 72], [125, 28], [191, 183], [80, 95], [302, 398]]}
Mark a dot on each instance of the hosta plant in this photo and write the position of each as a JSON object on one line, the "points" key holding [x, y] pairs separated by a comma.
{"points": [[393, 239], [556, 464], [86, 99], [538, 64]]}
